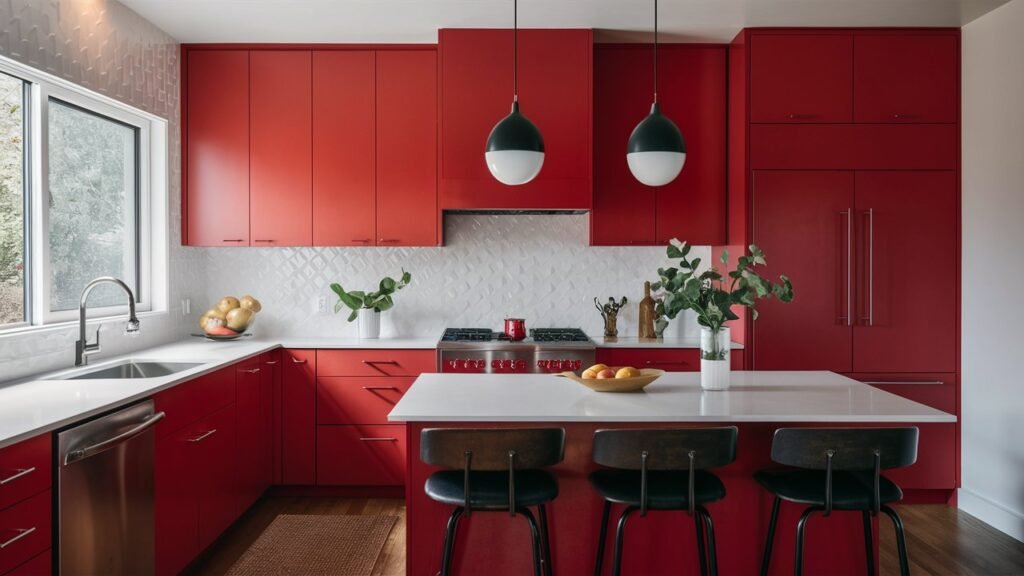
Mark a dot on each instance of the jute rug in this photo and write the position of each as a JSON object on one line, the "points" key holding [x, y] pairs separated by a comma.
{"points": [[311, 545]]}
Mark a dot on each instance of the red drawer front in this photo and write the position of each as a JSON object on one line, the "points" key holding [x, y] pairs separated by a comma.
{"points": [[360, 455], [375, 362], [25, 469], [41, 565], [935, 390], [935, 468], [357, 400], [24, 531], [673, 360], [195, 399], [854, 146]]}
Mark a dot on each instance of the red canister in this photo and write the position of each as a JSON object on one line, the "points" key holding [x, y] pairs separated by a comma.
{"points": [[515, 329]]}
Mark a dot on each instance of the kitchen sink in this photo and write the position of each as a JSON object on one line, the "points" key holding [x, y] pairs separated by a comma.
{"points": [[133, 369]]}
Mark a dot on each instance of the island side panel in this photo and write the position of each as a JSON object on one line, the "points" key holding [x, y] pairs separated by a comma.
{"points": [[661, 543]]}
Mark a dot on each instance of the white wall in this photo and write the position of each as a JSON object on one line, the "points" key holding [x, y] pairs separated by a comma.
{"points": [[104, 46], [993, 236]]}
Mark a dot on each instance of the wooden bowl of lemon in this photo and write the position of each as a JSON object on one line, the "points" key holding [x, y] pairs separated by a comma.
{"points": [[602, 378]]}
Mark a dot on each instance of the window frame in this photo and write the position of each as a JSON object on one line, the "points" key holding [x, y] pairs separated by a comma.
{"points": [[151, 208]]}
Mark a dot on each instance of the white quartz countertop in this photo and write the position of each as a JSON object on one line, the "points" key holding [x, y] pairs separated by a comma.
{"points": [[675, 397], [664, 343], [43, 403]]}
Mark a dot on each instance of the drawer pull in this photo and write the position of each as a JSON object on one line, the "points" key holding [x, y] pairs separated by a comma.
{"points": [[297, 361], [392, 362], [203, 436], [389, 240], [271, 362], [379, 439], [18, 474], [21, 533], [916, 382], [250, 371], [234, 240], [667, 363], [375, 388]]}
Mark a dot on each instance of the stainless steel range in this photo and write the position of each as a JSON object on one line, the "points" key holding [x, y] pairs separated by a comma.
{"points": [[484, 351]]}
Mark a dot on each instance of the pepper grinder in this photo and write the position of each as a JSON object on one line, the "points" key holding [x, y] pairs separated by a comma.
{"points": [[646, 328]]}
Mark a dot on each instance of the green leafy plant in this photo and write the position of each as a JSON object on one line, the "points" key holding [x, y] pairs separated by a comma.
{"points": [[712, 295], [378, 301]]}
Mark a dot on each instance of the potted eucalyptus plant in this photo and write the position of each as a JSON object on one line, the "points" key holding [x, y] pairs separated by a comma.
{"points": [[367, 306], [712, 296]]}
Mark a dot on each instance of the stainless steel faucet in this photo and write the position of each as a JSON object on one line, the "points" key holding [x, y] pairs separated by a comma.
{"points": [[82, 348]]}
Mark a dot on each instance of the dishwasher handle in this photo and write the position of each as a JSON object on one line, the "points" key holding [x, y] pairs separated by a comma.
{"points": [[83, 453]]}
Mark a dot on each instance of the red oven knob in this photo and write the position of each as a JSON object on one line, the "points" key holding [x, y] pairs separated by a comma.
{"points": [[577, 364]]}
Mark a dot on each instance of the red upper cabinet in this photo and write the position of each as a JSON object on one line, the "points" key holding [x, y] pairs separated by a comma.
{"points": [[555, 92], [691, 92], [280, 115], [407, 148], [217, 148], [344, 154], [906, 77], [801, 77], [907, 316]]}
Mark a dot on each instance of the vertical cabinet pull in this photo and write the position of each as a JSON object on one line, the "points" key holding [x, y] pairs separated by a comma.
{"points": [[870, 319], [848, 318]]}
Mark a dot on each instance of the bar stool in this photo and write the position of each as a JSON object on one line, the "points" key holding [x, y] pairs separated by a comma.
{"points": [[494, 470], [652, 469], [838, 469]]}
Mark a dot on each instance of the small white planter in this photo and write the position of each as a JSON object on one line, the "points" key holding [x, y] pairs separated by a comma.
{"points": [[369, 324], [714, 359]]}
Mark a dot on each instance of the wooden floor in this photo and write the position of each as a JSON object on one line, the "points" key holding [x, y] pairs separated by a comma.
{"points": [[942, 541]]}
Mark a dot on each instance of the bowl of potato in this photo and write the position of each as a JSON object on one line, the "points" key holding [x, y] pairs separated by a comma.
{"points": [[229, 318], [603, 378]]}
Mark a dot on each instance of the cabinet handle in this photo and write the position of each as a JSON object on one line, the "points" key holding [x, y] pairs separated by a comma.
{"points": [[266, 241], [234, 240], [666, 363], [21, 533], [361, 240], [271, 362], [378, 439], [203, 436], [849, 266], [389, 240], [250, 371], [295, 361], [18, 474], [394, 362], [374, 388], [802, 116], [871, 267], [915, 382]]}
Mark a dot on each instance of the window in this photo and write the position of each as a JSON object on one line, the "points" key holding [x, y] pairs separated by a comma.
{"points": [[82, 194]]}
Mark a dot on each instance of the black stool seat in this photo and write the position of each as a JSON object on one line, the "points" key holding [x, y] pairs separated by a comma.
{"points": [[666, 489], [851, 490], [489, 490]]}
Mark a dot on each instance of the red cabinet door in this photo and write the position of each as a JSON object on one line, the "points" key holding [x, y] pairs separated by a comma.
{"points": [[555, 92], [215, 464], [217, 148], [906, 77], [357, 400], [907, 232], [26, 530], [250, 454], [802, 221], [407, 148], [271, 375], [801, 78], [176, 510], [344, 154], [298, 417], [692, 94], [25, 469], [281, 190], [361, 455], [269, 363]]}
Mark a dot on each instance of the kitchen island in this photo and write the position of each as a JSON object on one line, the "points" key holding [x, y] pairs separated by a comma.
{"points": [[663, 542]]}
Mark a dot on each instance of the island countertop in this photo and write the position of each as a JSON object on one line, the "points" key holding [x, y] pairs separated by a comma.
{"points": [[756, 396]]}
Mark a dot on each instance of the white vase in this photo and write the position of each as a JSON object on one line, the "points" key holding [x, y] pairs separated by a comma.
{"points": [[714, 359], [369, 324]]}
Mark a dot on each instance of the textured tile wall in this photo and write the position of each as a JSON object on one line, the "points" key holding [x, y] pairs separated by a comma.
{"points": [[536, 267], [103, 46]]}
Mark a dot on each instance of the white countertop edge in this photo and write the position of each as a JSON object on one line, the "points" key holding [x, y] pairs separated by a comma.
{"points": [[663, 343]]}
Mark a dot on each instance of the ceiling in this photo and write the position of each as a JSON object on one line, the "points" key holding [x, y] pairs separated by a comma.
{"points": [[417, 21]]}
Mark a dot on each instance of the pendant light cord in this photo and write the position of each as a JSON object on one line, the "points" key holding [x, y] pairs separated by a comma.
{"points": [[655, 51], [515, 50]]}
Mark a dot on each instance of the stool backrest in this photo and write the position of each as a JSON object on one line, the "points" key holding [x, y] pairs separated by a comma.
{"points": [[850, 449], [679, 449], [490, 447]]}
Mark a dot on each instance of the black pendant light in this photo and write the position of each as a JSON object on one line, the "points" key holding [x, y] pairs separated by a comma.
{"points": [[515, 148], [656, 151]]}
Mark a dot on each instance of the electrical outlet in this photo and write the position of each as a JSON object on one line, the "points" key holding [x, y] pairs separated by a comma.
{"points": [[321, 305], [186, 306]]}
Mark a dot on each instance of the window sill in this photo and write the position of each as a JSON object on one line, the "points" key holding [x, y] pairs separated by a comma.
{"points": [[21, 331]]}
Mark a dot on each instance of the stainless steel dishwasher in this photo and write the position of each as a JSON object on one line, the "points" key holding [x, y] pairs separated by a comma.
{"points": [[105, 500]]}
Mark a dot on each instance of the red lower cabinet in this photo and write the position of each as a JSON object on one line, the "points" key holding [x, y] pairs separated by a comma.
{"points": [[25, 469], [361, 455], [216, 462], [25, 530], [40, 565], [298, 417], [355, 400], [176, 508], [667, 359]]}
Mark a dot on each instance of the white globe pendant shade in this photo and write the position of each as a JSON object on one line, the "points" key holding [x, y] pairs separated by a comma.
{"points": [[515, 149], [656, 168], [656, 150], [514, 167]]}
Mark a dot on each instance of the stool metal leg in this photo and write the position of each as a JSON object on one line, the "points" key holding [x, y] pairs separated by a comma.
{"points": [[545, 537], [535, 533], [619, 532], [712, 551], [602, 537], [798, 564], [449, 541], [901, 540], [766, 561], [869, 542], [702, 556]]}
